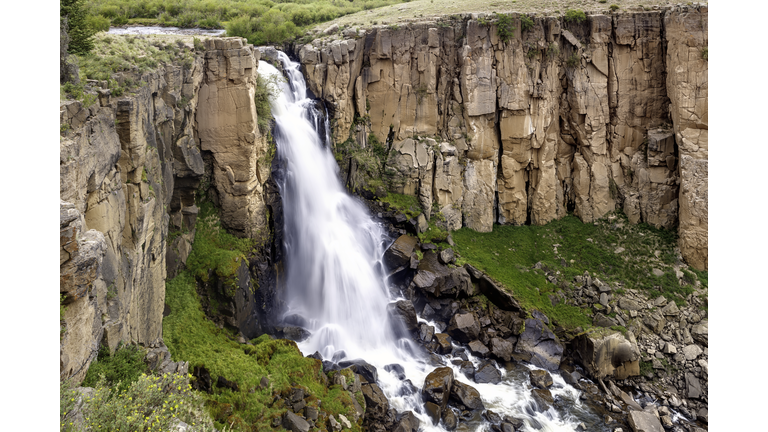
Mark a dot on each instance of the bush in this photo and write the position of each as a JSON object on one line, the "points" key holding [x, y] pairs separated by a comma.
{"points": [[97, 23], [613, 7], [149, 403], [120, 369], [552, 50], [80, 34], [505, 28], [575, 15], [526, 22], [573, 60], [266, 90]]}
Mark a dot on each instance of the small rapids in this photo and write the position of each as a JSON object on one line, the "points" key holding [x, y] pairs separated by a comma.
{"points": [[336, 286]]}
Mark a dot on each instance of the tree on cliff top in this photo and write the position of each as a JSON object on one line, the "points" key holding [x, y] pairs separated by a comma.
{"points": [[80, 34]]}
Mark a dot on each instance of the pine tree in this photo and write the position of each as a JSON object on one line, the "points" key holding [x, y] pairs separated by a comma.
{"points": [[80, 35]]}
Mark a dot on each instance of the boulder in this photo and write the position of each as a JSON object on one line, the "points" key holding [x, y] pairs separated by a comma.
{"points": [[376, 403], [433, 411], [700, 332], [467, 368], [466, 395], [463, 327], [692, 386], [642, 421], [543, 399], [477, 348], [426, 332], [404, 310], [431, 274], [502, 349], [497, 295], [692, 351], [407, 423], [294, 423], [399, 254], [607, 353], [443, 343], [437, 386], [396, 369], [447, 256], [360, 366], [540, 378], [450, 421], [487, 373], [538, 345]]}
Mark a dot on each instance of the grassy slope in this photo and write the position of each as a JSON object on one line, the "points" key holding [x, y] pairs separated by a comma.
{"points": [[569, 248], [190, 336], [422, 10]]}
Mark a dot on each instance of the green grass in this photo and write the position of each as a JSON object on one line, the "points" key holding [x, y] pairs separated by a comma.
{"points": [[509, 252], [405, 204]]}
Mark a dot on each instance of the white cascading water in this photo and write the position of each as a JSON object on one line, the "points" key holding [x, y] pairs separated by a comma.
{"points": [[335, 279]]}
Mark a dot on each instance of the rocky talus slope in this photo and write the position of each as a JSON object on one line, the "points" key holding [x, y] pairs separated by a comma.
{"points": [[129, 170], [588, 117]]}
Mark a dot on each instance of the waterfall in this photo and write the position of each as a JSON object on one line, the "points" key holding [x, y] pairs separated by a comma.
{"points": [[336, 287]]}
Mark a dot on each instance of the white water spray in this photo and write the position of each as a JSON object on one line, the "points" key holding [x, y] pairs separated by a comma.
{"points": [[335, 278]]}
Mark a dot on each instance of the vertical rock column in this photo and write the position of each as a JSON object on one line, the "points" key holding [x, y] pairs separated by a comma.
{"points": [[686, 31], [227, 127]]}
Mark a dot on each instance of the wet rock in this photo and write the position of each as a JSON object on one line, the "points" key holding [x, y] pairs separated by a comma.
{"points": [[463, 327], [543, 399], [397, 370], [399, 254], [426, 331], [404, 310], [492, 417], [437, 386], [450, 421], [407, 423], [514, 422], [294, 333], [487, 374], [294, 423], [360, 366], [641, 421], [502, 349], [406, 388], [376, 402], [468, 369], [540, 378], [538, 345], [477, 348], [433, 411], [443, 343], [466, 395]]}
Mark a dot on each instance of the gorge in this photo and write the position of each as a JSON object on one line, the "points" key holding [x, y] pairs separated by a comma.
{"points": [[564, 117]]}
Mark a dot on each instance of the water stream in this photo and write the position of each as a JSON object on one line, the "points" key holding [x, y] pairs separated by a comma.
{"points": [[337, 289]]}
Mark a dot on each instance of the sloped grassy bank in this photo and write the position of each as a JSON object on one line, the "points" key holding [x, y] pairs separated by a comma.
{"points": [[192, 337]]}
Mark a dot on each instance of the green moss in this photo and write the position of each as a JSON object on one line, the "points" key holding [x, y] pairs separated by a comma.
{"points": [[121, 369], [405, 204], [508, 254]]}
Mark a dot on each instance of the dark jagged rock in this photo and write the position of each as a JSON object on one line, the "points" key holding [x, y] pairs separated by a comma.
{"points": [[407, 422], [431, 274], [540, 378], [294, 333], [543, 399], [202, 379], [360, 366], [538, 345], [426, 331], [316, 355], [225, 383], [492, 417], [468, 369], [437, 386], [466, 395], [294, 423], [397, 370], [499, 296], [399, 254], [446, 256], [463, 327], [406, 388], [478, 348], [502, 349], [404, 309], [487, 373], [443, 343], [376, 403]]}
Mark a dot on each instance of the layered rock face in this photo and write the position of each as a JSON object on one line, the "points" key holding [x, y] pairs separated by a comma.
{"points": [[129, 171], [564, 116]]}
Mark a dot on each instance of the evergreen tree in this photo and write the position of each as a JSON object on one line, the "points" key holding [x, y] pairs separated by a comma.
{"points": [[80, 35]]}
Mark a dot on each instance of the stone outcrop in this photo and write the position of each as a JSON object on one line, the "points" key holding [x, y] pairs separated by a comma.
{"points": [[586, 117], [607, 353], [130, 167]]}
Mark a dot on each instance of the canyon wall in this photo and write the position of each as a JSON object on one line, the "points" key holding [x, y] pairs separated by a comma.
{"points": [[130, 168], [609, 113]]}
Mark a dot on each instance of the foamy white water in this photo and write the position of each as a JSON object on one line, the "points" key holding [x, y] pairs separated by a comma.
{"points": [[335, 279]]}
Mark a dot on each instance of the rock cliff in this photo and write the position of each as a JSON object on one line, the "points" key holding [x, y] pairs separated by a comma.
{"points": [[130, 168], [608, 113]]}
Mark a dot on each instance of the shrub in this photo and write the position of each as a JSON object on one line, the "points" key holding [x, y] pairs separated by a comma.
{"points": [[552, 50], [575, 15], [266, 89], [80, 34], [613, 7], [120, 20], [505, 28], [97, 23], [573, 60], [209, 23], [526, 22], [120, 369]]}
